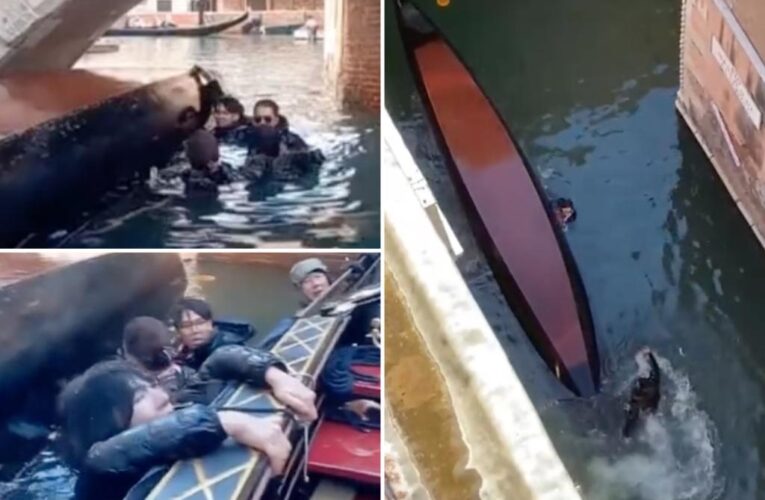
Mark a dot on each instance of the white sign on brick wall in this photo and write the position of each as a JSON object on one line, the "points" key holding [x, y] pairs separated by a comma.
{"points": [[744, 97], [16, 16]]}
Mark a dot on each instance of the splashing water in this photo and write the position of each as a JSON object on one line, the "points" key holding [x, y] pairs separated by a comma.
{"points": [[673, 455]]}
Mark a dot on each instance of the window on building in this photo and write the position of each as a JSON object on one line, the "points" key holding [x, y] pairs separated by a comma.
{"points": [[164, 5]]}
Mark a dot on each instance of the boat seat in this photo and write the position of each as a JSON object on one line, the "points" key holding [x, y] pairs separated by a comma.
{"points": [[341, 451], [367, 389]]}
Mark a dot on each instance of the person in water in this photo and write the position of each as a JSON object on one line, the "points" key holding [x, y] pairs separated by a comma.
{"points": [[146, 342], [207, 172], [219, 354], [231, 126], [645, 393], [118, 424], [311, 277], [564, 210]]}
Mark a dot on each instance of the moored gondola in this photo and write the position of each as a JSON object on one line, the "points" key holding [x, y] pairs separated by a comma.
{"points": [[188, 31]]}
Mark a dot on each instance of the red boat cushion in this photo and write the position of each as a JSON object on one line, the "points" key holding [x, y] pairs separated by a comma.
{"points": [[339, 450], [367, 389]]}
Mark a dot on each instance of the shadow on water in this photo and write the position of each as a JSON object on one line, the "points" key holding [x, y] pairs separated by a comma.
{"points": [[588, 89], [340, 207]]}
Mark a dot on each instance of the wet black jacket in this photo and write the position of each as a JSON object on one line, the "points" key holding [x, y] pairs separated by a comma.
{"points": [[238, 135], [198, 180], [227, 363], [113, 466]]}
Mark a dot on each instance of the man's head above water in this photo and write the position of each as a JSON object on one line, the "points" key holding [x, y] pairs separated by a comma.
{"points": [[193, 320], [266, 114], [145, 341], [310, 275], [228, 112], [202, 150]]}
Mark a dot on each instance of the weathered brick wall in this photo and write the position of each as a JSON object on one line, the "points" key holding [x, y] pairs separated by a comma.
{"points": [[360, 63], [298, 4]]}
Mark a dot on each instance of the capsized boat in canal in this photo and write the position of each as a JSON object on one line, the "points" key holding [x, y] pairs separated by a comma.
{"points": [[512, 218], [58, 323], [82, 141], [189, 31], [233, 472]]}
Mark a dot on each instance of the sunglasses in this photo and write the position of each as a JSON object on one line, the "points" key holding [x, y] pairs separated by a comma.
{"points": [[263, 119]]}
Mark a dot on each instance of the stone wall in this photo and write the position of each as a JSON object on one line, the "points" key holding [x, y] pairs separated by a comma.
{"points": [[722, 96], [352, 50]]}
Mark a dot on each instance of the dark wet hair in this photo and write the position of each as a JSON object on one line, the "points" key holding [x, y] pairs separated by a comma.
{"points": [[202, 148], [198, 306], [562, 203], [231, 104], [145, 339], [98, 405]]}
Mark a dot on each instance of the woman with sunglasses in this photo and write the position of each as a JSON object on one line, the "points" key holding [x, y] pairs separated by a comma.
{"points": [[270, 123], [118, 424]]}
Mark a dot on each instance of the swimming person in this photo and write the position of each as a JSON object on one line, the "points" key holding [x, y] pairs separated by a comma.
{"points": [[207, 172], [645, 393], [231, 126], [118, 424], [564, 210], [146, 342]]}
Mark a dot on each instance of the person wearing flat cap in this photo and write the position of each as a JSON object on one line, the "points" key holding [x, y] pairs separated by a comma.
{"points": [[311, 277]]}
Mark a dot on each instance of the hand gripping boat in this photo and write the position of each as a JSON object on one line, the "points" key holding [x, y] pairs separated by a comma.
{"points": [[234, 472], [512, 218]]}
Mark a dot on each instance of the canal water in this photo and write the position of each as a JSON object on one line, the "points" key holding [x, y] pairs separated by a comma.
{"points": [[588, 89], [340, 207], [259, 293]]}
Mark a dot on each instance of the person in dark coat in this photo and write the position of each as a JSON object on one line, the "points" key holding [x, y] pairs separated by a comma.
{"points": [[231, 125], [219, 354], [207, 172], [645, 393], [118, 424]]}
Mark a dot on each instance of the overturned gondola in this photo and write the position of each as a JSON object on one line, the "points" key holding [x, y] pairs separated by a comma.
{"points": [[82, 140], [509, 210]]}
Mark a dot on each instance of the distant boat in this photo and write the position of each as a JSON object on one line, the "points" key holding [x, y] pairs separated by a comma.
{"points": [[204, 30], [286, 29], [302, 34], [103, 48]]}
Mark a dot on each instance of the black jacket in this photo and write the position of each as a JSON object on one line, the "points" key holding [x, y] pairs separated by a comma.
{"points": [[220, 338], [113, 466], [227, 363]]}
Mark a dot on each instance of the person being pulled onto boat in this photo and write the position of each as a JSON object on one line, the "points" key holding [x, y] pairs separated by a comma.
{"points": [[207, 172], [646, 391], [219, 354], [311, 277], [275, 149], [564, 210], [231, 126], [118, 424]]}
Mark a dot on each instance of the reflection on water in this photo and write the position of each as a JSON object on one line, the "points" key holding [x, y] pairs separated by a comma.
{"points": [[667, 260], [338, 207]]}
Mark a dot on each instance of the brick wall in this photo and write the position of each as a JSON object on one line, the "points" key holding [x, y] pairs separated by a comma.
{"points": [[298, 4], [359, 72]]}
